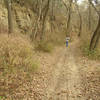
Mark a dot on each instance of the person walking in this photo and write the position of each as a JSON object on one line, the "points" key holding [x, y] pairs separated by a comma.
{"points": [[67, 41]]}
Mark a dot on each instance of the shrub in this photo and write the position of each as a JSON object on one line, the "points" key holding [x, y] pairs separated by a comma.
{"points": [[15, 52], [93, 54], [44, 47], [2, 98]]}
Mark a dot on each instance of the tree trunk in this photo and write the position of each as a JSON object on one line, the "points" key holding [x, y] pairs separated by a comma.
{"points": [[95, 37], [37, 24], [89, 17], [69, 16], [97, 41], [80, 18], [44, 19], [10, 23], [96, 34], [52, 17]]}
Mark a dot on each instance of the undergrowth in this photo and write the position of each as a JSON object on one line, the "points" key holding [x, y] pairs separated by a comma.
{"points": [[93, 54], [16, 53], [2, 98], [17, 63], [44, 46]]}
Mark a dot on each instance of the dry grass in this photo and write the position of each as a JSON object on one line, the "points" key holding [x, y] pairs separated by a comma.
{"points": [[15, 52], [16, 62], [3, 28], [44, 47]]}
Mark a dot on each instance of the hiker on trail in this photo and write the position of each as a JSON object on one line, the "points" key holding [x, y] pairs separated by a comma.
{"points": [[67, 41]]}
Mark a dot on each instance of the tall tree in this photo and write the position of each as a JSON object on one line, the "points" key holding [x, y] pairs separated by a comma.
{"points": [[80, 18], [89, 18], [96, 34], [10, 23], [44, 15], [52, 16], [39, 26], [69, 14]]}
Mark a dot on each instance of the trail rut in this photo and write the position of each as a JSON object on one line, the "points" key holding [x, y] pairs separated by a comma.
{"points": [[65, 81]]}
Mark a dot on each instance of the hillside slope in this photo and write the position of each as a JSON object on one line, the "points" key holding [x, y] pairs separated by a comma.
{"points": [[24, 20]]}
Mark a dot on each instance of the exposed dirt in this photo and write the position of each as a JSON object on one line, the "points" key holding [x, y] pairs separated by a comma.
{"points": [[64, 75], [65, 81]]}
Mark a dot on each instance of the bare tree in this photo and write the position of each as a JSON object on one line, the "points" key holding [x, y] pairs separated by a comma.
{"points": [[39, 26], [37, 23], [96, 34], [68, 8], [69, 16], [10, 23], [52, 16], [89, 18], [44, 18], [65, 6], [80, 18]]}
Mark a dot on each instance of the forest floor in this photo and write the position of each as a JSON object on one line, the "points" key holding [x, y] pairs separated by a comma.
{"points": [[63, 75]]}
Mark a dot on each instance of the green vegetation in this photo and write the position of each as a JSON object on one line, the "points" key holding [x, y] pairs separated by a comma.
{"points": [[2, 98], [93, 54]]}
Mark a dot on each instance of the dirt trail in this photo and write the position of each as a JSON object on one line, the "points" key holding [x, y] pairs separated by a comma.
{"points": [[65, 81], [63, 75]]}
